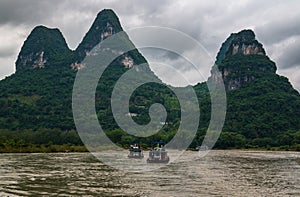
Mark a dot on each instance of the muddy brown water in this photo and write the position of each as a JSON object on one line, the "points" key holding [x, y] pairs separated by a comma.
{"points": [[220, 173]]}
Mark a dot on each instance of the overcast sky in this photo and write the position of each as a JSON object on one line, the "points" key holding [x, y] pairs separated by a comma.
{"points": [[276, 25]]}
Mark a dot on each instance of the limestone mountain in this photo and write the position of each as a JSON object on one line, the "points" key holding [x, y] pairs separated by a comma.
{"points": [[242, 59], [38, 96], [43, 47], [262, 105]]}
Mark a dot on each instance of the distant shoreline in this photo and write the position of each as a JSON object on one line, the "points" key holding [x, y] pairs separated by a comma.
{"points": [[67, 148]]}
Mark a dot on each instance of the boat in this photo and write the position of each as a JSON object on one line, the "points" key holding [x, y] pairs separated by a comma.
{"points": [[158, 153], [135, 151]]}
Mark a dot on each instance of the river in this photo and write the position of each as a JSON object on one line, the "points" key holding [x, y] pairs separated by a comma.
{"points": [[219, 173]]}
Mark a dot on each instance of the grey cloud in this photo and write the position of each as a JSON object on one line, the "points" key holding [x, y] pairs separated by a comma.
{"points": [[29, 11], [5, 69], [7, 52], [179, 63], [294, 75], [290, 57], [279, 29]]}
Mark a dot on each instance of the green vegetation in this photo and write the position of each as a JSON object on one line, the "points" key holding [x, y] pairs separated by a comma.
{"points": [[265, 107], [234, 140], [48, 42], [43, 140], [36, 104]]}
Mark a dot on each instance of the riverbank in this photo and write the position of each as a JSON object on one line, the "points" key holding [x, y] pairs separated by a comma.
{"points": [[65, 148]]}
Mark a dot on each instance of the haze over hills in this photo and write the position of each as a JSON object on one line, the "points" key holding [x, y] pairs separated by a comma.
{"points": [[262, 111]]}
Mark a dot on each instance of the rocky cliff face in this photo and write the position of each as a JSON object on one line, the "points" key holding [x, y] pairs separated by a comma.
{"points": [[43, 47], [105, 25], [241, 60], [245, 43]]}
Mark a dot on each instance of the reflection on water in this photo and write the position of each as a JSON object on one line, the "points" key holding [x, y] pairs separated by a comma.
{"points": [[220, 173]]}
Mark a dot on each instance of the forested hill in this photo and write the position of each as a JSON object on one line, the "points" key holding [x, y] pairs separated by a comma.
{"points": [[263, 107], [36, 101]]}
